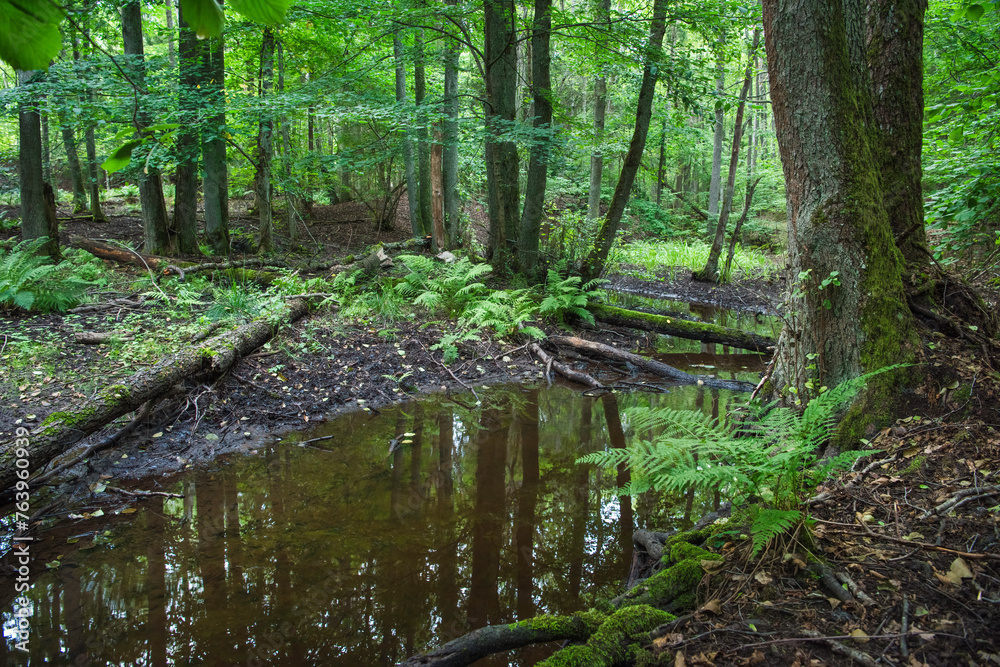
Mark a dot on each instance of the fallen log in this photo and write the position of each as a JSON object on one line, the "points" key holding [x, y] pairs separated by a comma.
{"points": [[563, 369], [63, 429], [673, 326], [119, 254], [99, 337], [651, 365], [498, 638]]}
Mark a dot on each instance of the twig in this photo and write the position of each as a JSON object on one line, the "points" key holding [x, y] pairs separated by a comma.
{"points": [[961, 497], [854, 654], [455, 377], [152, 278], [144, 493], [964, 554], [904, 650], [844, 578]]}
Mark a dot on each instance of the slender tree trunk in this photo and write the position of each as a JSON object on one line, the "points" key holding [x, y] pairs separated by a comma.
{"points": [[895, 55], [216, 183], [449, 157], [711, 271], [538, 165], [596, 156], [836, 216], [154, 210], [265, 144], [90, 143], [73, 164], [188, 141], [169, 5], [408, 168], [715, 184], [423, 138], [502, 168], [660, 167], [288, 188], [594, 264], [36, 220]]}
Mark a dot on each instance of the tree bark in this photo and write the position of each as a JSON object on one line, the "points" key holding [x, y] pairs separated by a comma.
{"points": [[594, 264], [836, 216], [73, 164], [502, 168], [216, 182], [895, 38], [46, 151], [596, 156], [672, 326], [90, 143], [423, 137], [169, 6], [291, 197], [449, 157], [36, 219], [739, 224], [188, 141], [409, 173], [538, 165], [154, 211], [210, 359], [265, 144], [715, 184], [651, 365], [711, 271]]}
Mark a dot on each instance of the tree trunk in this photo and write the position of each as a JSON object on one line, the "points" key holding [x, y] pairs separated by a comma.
{"points": [[538, 165], [209, 359], [46, 151], [660, 167], [73, 164], [449, 156], [596, 157], [423, 138], [216, 183], [188, 141], [594, 264], [409, 173], [36, 220], [715, 184], [502, 168], [673, 326], [154, 211], [711, 271], [169, 5], [751, 186], [90, 142], [836, 217], [288, 188], [265, 144], [895, 55], [437, 195]]}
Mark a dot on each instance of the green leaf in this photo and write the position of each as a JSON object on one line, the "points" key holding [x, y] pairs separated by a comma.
{"points": [[974, 12], [121, 156], [270, 12], [159, 127], [204, 16], [29, 33], [956, 135]]}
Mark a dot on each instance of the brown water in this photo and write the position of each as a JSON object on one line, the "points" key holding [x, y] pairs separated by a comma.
{"points": [[361, 548]]}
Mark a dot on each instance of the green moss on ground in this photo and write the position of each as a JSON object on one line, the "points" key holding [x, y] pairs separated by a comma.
{"points": [[619, 639]]}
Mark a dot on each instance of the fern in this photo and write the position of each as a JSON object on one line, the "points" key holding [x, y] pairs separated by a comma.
{"points": [[32, 281], [568, 296], [437, 286], [770, 456]]}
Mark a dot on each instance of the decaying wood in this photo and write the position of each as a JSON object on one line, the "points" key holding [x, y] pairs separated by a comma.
{"points": [[674, 326], [498, 638], [119, 254], [99, 337], [651, 365], [563, 369], [62, 429]]}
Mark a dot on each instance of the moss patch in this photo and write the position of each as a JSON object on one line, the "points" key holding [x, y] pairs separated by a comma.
{"points": [[619, 639]]}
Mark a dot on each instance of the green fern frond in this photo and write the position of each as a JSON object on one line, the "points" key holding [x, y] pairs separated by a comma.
{"points": [[770, 523]]}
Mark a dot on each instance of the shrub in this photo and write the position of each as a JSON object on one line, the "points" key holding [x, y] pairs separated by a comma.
{"points": [[32, 281]]}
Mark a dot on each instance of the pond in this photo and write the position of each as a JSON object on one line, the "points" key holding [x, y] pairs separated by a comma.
{"points": [[362, 541]]}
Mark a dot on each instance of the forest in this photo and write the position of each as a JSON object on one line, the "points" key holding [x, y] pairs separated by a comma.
{"points": [[442, 333]]}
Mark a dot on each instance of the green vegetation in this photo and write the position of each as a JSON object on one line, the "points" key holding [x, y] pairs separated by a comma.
{"points": [[766, 460], [34, 282], [647, 259]]}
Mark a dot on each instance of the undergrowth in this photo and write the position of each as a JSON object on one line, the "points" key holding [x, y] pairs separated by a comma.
{"points": [[645, 259], [33, 281]]}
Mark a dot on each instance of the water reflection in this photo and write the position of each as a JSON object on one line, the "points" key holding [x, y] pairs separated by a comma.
{"points": [[350, 552]]}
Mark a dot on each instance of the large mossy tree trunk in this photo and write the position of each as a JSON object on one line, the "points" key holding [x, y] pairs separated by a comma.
{"points": [[538, 165], [838, 230], [594, 264], [502, 168], [154, 210], [894, 44], [209, 359]]}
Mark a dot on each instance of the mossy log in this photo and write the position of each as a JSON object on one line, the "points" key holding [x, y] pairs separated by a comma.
{"points": [[673, 326], [499, 638], [675, 586], [618, 641], [651, 365], [63, 429]]}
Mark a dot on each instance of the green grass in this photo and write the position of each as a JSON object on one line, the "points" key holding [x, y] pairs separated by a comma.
{"points": [[644, 259]]}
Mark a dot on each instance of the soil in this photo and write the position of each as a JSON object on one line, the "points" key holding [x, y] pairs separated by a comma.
{"points": [[877, 524]]}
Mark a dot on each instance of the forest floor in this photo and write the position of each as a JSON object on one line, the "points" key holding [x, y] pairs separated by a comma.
{"points": [[932, 571]]}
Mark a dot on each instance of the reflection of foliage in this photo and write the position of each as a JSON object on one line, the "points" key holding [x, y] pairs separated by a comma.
{"points": [[768, 461]]}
